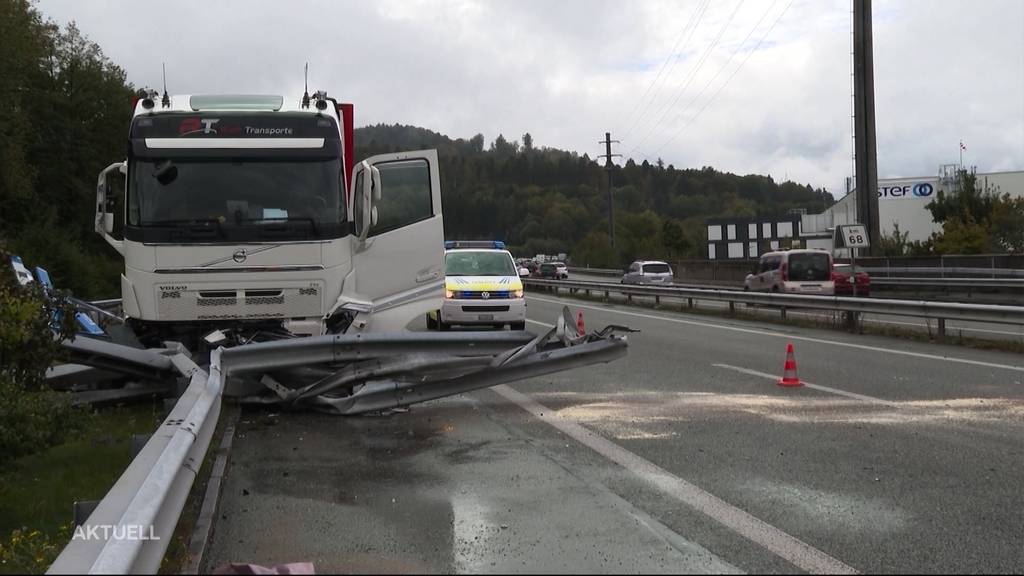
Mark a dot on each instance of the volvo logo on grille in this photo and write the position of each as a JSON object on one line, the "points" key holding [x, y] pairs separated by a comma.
{"points": [[485, 295], [239, 256]]}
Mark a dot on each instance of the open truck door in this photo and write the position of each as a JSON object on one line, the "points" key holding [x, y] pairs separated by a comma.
{"points": [[398, 246]]}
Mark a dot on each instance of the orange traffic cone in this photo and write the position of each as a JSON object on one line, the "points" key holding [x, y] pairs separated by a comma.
{"points": [[579, 323], [789, 377]]}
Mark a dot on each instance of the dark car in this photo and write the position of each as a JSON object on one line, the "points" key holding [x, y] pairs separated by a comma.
{"points": [[549, 270], [841, 277]]}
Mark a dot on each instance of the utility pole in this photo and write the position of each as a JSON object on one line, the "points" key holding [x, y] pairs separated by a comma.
{"points": [[864, 122], [608, 166]]}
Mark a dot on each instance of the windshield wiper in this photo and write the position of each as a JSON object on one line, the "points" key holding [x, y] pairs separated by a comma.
{"points": [[312, 221], [179, 223]]}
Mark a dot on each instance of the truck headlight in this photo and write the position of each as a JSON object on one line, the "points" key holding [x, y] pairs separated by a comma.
{"points": [[519, 293], [448, 293]]}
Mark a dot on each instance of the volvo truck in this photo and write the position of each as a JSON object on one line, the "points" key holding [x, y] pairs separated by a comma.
{"points": [[249, 212]]}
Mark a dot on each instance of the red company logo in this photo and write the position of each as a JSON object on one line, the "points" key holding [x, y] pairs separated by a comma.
{"points": [[197, 126]]}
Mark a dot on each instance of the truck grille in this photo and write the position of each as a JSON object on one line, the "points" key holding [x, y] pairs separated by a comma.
{"points": [[176, 305]]}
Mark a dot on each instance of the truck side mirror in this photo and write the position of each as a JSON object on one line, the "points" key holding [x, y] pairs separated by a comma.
{"points": [[105, 202], [369, 195]]}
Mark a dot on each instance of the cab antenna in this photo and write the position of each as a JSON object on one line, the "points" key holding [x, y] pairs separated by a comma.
{"points": [[166, 100], [305, 93]]}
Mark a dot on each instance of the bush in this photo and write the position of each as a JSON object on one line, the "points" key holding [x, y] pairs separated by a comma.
{"points": [[31, 418], [31, 551]]}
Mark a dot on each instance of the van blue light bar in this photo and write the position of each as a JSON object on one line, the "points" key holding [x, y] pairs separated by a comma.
{"points": [[452, 244]]}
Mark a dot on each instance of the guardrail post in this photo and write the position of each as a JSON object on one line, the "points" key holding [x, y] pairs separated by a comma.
{"points": [[606, 297], [781, 310], [629, 298], [689, 303], [942, 328], [851, 321], [657, 300], [587, 292], [732, 307]]}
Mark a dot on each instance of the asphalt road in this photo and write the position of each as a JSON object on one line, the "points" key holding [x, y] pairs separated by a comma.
{"points": [[685, 456]]}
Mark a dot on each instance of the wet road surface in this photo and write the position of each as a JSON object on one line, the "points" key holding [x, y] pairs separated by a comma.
{"points": [[683, 457]]}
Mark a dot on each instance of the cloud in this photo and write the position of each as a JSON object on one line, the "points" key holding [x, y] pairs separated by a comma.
{"points": [[569, 71]]}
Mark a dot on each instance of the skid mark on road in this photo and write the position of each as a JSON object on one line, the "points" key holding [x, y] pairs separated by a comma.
{"points": [[787, 547], [761, 332]]}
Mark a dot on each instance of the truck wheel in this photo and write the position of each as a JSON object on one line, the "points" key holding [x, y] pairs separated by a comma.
{"points": [[518, 326], [431, 323]]}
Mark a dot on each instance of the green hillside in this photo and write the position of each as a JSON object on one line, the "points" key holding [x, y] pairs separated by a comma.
{"points": [[545, 200]]}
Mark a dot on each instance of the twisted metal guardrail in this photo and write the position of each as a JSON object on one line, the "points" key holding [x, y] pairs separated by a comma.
{"points": [[131, 528], [938, 311]]}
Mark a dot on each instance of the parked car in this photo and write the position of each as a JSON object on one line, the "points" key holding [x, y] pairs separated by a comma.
{"points": [[648, 272], [841, 278], [554, 270], [793, 271]]}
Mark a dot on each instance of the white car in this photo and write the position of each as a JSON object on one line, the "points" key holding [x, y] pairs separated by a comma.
{"points": [[793, 272], [648, 272], [482, 288]]}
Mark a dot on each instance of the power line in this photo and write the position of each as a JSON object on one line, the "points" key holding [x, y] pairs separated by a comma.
{"points": [[689, 80], [727, 80], [674, 58], [724, 66]]}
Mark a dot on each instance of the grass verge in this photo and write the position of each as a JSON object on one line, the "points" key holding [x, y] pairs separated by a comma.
{"points": [[37, 491]]}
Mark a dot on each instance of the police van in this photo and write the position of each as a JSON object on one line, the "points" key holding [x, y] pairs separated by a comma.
{"points": [[482, 288]]}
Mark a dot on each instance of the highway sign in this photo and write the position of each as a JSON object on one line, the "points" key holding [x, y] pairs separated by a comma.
{"points": [[852, 236]]}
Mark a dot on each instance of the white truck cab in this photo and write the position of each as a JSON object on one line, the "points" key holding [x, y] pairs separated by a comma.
{"points": [[249, 210]]}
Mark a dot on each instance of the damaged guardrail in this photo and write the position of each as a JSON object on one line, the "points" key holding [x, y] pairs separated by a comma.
{"points": [[341, 374], [938, 311]]}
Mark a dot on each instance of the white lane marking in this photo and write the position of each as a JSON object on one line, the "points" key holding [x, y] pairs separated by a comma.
{"points": [[828, 389], [789, 548], [545, 324], [792, 336]]}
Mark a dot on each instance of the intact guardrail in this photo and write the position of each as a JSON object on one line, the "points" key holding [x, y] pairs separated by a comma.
{"points": [[1001, 279], [130, 529], [938, 311]]}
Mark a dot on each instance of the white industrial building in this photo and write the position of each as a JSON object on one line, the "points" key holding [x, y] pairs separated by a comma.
{"points": [[902, 201]]}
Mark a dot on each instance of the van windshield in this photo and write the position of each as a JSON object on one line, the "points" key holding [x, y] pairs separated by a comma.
{"points": [[809, 267], [471, 263]]}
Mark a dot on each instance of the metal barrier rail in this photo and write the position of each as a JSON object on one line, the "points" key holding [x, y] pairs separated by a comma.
{"points": [[131, 528], [971, 282], [990, 272], [951, 282], [939, 311]]}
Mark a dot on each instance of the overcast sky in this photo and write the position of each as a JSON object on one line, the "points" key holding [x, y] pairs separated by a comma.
{"points": [[749, 86]]}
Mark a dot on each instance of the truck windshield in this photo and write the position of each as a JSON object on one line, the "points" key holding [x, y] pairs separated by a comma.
{"points": [[469, 263], [235, 193]]}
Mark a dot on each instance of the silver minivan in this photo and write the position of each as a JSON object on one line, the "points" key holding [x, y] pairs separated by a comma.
{"points": [[794, 272], [648, 272]]}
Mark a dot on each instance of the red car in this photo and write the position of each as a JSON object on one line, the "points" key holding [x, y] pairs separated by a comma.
{"points": [[841, 277]]}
